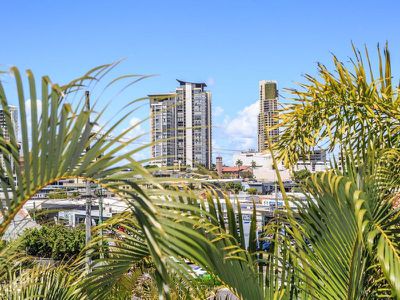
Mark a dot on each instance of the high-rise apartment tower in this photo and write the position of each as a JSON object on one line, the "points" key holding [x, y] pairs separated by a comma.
{"points": [[181, 126], [13, 114], [267, 118]]}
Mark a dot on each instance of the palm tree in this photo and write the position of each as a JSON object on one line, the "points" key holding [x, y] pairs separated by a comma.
{"points": [[349, 110], [253, 166], [55, 145], [347, 224], [341, 242], [239, 163], [60, 142]]}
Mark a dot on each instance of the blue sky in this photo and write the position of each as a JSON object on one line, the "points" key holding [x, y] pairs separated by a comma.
{"points": [[231, 45]]}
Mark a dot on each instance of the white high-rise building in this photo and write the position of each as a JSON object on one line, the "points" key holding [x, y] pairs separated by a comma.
{"points": [[267, 118], [5, 132], [181, 126], [14, 121]]}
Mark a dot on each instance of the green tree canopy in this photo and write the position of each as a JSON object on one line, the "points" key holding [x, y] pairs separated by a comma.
{"points": [[56, 241], [252, 191], [301, 175]]}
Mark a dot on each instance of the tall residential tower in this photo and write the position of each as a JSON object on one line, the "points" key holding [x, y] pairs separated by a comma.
{"points": [[6, 134], [181, 126], [268, 97]]}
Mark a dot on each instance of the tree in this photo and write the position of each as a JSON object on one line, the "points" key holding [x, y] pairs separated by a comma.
{"points": [[357, 113], [239, 164], [57, 195], [253, 165], [56, 241], [346, 111], [247, 174], [340, 243], [301, 175], [234, 187], [65, 144], [252, 191]]}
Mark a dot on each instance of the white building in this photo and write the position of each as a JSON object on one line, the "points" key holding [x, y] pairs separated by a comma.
{"points": [[7, 134], [315, 161], [262, 165], [181, 126], [267, 118], [263, 169]]}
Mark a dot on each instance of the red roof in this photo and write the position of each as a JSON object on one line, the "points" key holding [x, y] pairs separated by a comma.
{"points": [[235, 169]]}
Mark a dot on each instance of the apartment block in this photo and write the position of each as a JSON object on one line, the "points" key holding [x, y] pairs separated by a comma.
{"points": [[267, 118], [13, 114], [181, 126]]}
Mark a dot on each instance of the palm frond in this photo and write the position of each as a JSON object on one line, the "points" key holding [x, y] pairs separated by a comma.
{"points": [[342, 108]]}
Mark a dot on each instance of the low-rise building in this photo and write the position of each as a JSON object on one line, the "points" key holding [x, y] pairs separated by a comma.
{"points": [[234, 172], [315, 161], [261, 165]]}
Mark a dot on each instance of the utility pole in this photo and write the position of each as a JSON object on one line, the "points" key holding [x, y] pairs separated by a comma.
{"points": [[101, 220], [88, 218], [101, 208]]}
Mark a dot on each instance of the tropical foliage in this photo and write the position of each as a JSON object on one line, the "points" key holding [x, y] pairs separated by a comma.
{"points": [[234, 187], [345, 109], [301, 175], [341, 241], [55, 241], [349, 220], [252, 191]]}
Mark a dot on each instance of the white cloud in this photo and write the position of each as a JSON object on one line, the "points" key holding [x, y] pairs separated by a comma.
{"points": [[242, 129], [218, 111], [137, 127]]}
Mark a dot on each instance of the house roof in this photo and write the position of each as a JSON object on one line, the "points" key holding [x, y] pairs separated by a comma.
{"points": [[235, 169]]}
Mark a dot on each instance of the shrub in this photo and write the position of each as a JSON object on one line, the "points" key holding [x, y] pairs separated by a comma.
{"points": [[57, 242], [252, 191], [57, 195], [301, 175], [234, 187]]}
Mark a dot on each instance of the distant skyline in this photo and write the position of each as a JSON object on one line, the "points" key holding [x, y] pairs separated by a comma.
{"points": [[230, 45]]}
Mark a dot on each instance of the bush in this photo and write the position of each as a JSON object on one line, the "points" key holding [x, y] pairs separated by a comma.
{"points": [[207, 280], [234, 187], [301, 175], [252, 191], [57, 242], [43, 216], [57, 195], [247, 174]]}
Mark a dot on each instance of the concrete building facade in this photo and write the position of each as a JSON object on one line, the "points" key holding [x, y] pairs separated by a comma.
{"points": [[315, 161], [262, 165], [13, 110], [219, 165], [267, 118], [181, 126], [163, 128]]}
